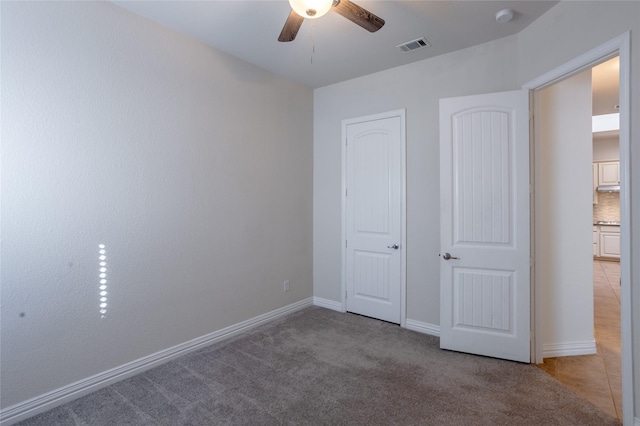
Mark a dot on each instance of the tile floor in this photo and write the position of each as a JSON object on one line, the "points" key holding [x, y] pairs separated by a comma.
{"points": [[598, 378]]}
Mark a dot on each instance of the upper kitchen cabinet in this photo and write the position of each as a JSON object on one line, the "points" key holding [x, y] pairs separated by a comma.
{"points": [[609, 173]]}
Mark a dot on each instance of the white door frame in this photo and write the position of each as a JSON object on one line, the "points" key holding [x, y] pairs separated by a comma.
{"points": [[403, 216], [619, 46]]}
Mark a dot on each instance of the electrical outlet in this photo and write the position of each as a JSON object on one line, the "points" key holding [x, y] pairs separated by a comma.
{"points": [[287, 285]]}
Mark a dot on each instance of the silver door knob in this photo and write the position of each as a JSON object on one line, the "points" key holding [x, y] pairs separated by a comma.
{"points": [[395, 246], [448, 256]]}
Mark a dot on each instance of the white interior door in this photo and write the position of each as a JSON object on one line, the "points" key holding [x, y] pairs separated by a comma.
{"points": [[374, 209], [485, 241]]}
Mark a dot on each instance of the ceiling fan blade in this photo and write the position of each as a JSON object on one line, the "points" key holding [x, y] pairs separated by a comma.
{"points": [[291, 27], [359, 15]]}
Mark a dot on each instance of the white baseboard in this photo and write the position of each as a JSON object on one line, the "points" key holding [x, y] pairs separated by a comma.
{"points": [[550, 350], [329, 304], [49, 400], [423, 327]]}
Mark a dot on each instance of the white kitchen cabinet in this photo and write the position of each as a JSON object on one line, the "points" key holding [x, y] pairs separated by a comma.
{"points": [[596, 241], [609, 173], [609, 241]]}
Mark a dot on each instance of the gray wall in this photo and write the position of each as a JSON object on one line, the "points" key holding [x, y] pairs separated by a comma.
{"points": [[418, 88], [192, 167]]}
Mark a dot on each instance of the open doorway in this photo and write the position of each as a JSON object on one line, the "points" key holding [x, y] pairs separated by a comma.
{"points": [[606, 231], [592, 372]]}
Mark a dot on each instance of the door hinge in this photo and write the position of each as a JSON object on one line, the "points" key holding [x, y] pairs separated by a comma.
{"points": [[346, 243], [346, 191]]}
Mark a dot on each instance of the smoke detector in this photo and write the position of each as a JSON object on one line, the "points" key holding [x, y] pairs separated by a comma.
{"points": [[504, 15]]}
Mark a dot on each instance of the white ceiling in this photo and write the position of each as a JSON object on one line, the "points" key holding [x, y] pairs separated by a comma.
{"points": [[333, 49]]}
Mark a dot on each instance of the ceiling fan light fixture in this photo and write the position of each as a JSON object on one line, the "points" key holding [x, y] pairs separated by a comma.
{"points": [[311, 9]]}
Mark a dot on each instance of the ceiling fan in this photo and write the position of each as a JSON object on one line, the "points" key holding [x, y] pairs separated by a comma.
{"points": [[313, 9]]}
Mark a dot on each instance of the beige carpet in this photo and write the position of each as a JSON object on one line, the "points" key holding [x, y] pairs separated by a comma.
{"points": [[318, 366]]}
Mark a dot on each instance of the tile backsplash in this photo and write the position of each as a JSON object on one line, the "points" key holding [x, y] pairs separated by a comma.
{"points": [[608, 207]]}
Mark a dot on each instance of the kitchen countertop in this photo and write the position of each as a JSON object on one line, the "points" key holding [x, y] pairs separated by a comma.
{"points": [[601, 222]]}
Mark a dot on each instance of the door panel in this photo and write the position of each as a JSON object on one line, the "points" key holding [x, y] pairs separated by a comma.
{"points": [[372, 276], [483, 300], [482, 205], [373, 217], [484, 178]]}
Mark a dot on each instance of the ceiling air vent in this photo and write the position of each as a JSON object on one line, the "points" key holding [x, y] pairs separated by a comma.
{"points": [[410, 46]]}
